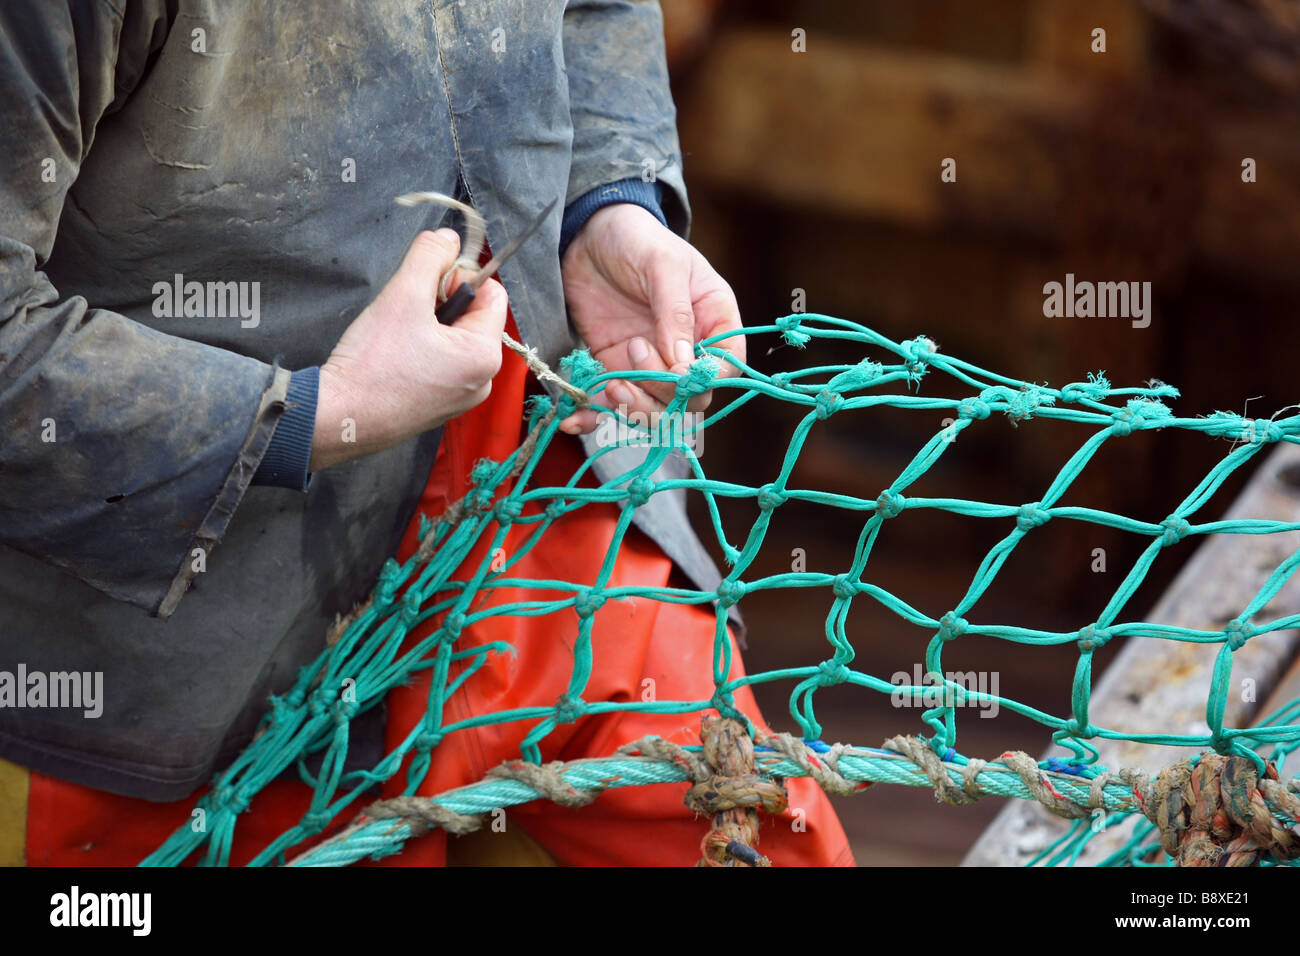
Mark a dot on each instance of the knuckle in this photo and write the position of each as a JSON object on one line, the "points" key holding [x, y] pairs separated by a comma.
{"points": [[681, 315]]}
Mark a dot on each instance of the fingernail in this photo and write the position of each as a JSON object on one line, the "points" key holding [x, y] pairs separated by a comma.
{"points": [[447, 234], [684, 352], [638, 351]]}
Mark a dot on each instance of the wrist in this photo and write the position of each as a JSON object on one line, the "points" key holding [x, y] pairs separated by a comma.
{"points": [[633, 192], [335, 437]]}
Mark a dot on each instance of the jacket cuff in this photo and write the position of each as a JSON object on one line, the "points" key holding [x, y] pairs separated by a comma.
{"points": [[287, 459], [634, 191]]}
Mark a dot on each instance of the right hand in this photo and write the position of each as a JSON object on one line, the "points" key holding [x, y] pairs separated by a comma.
{"points": [[397, 371]]}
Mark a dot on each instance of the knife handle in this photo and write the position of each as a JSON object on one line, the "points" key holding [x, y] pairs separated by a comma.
{"points": [[456, 306]]}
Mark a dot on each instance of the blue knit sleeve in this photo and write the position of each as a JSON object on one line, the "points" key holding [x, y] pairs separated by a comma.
{"points": [[285, 464], [634, 191]]}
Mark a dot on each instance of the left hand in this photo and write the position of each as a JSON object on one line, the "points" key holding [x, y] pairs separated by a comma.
{"points": [[641, 297]]}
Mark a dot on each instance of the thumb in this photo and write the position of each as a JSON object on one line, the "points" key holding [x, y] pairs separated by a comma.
{"points": [[486, 315], [430, 255]]}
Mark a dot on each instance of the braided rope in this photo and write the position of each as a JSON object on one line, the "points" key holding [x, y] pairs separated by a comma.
{"points": [[838, 768]]}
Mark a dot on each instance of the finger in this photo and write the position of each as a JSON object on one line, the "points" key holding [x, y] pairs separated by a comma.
{"points": [[581, 422], [429, 256], [614, 396], [634, 402], [671, 309], [486, 315], [716, 312], [643, 357]]}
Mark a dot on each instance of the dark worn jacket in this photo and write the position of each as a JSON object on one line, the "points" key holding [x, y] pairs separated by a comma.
{"points": [[143, 140]]}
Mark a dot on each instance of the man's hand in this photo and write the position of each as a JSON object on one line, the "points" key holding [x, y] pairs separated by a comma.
{"points": [[397, 371], [641, 297]]}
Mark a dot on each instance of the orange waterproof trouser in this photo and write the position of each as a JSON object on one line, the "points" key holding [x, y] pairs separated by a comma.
{"points": [[633, 641]]}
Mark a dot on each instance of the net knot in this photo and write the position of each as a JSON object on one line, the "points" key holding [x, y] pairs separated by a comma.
{"points": [[1176, 529], [320, 701], [843, 586], [697, 380], [730, 592], [569, 708], [828, 403], [345, 710], [315, 821], [1075, 729], [508, 509], [1025, 402], [554, 509], [427, 740], [1256, 431], [789, 326], [917, 354], [639, 491], [479, 500], [770, 497], [482, 471], [588, 602], [385, 590], [1125, 420], [234, 799], [582, 369], [890, 504], [1094, 637], [830, 673], [410, 609], [1214, 813], [952, 627], [538, 406], [781, 380], [1032, 515], [973, 408], [1237, 633], [453, 625]]}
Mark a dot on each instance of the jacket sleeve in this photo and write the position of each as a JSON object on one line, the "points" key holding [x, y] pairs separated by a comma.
{"points": [[122, 450], [624, 121]]}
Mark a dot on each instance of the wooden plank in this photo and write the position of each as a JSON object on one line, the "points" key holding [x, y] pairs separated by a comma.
{"points": [[1286, 691], [855, 128], [1060, 37], [862, 130], [1162, 686]]}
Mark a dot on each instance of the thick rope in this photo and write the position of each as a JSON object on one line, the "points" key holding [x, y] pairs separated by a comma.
{"points": [[384, 826], [733, 794], [1213, 812]]}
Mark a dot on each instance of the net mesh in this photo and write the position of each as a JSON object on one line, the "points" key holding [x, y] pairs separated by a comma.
{"points": [[371, 654]]}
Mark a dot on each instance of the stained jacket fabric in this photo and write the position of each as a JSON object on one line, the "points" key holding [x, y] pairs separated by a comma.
{"points": [[256, 148]]}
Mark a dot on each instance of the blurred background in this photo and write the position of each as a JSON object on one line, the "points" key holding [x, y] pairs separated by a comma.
{"points": [[820, 170]]}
